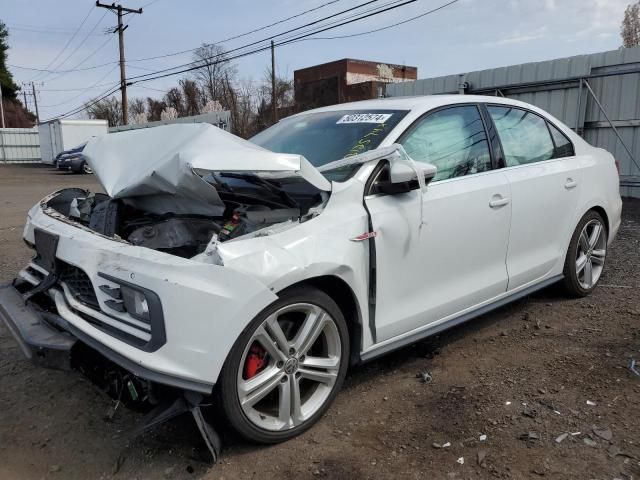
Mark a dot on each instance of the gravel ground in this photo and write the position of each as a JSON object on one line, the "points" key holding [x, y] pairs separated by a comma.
{"points": [[523, 376]]}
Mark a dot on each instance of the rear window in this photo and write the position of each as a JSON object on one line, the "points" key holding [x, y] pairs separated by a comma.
{"points": [[327, 136]]}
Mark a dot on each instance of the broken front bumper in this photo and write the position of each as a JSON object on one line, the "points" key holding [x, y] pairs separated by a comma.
{"points": [[38, 339], [204, 307], [47, 339]]}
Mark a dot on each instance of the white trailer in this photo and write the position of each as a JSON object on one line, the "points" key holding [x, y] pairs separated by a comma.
{"points": [[59, 135]]}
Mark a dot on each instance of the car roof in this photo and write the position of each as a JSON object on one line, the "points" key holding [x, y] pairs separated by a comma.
{"points": [[421, 103]]}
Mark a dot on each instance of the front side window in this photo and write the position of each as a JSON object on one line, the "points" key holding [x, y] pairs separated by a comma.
{"points": [[524, 135], [453, 139]]}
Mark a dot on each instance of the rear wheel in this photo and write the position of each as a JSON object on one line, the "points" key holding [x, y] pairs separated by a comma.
{"points": [[286, 367], [86, 168], [586, 255]]}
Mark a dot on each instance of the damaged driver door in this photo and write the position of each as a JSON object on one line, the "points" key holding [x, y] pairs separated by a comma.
{"points": [[437, 260]]}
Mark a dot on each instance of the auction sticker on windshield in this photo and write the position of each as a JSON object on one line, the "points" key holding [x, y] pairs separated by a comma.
{"points": [[365, 118]]}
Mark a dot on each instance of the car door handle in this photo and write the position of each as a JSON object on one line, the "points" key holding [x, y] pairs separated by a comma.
{"points": [[499, 201], [570, 183]]}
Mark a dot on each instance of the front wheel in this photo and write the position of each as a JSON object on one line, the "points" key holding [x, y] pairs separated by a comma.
{"points": [[286, 367], [586, 255]]}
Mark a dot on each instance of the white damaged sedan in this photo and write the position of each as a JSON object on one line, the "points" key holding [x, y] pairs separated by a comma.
{"points": [[257, 272]]}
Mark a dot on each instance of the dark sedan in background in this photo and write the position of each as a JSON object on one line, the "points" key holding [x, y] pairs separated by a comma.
{"points": [[72, 160]]}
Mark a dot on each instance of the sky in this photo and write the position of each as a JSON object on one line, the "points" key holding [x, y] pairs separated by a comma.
{"points": [[466, 36]]}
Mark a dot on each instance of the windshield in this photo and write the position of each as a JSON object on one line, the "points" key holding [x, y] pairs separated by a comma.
{"points": [[324, 137]]}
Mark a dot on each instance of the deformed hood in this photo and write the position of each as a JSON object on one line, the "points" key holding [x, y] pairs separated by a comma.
{"points": [[154, 168]]}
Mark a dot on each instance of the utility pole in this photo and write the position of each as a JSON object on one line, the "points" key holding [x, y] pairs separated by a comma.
{"points": [[121, 12], [274, 108], [35, 102]]}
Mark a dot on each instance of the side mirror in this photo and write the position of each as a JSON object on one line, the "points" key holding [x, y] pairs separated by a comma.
{"points": [[403, 179]]}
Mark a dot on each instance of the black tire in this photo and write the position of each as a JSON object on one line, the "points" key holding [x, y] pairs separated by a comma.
{"points": [[571, 283], [227, 384]]}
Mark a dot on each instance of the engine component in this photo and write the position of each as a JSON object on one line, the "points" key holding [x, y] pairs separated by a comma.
{"points": [[175, 233], [248, 218], [105, 217]]}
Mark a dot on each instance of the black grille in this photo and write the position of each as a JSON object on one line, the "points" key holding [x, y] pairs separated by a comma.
{"points": [[79, 285]]}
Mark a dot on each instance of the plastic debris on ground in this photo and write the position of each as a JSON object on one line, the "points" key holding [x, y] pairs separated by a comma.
{"points": [[438, 445], [590, 403], [633, 366], [483, 438], [425, 377], [561, 438], [460, 460]]}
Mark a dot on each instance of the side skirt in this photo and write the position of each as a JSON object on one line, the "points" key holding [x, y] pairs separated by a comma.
{"points": [[383, 349]]}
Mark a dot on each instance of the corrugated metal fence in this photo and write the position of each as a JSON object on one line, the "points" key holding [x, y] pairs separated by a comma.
{"points": [[597, 95], [19, 145]]}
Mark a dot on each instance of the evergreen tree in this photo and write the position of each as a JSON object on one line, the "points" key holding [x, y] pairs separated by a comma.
{"points": [[9, 88]]}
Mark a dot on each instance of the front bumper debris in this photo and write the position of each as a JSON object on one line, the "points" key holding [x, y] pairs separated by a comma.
{"points": [[47, 339], [37, 338]]}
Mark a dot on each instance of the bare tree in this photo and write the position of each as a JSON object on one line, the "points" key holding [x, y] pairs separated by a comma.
{"points": [[154, 109], [173, 98], [283, 98], [192, 96], [214, 72], [240, 99], [108, 109], [137, 110], [630, 29]]}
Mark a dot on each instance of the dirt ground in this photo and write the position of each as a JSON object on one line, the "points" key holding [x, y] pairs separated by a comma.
{"points": [[523, 376]]}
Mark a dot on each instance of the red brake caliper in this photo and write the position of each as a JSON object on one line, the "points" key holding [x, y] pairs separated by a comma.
{"points": [[255, 362]]}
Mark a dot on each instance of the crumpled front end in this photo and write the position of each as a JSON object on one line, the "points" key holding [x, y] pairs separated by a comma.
{"points": [[166, 318]]}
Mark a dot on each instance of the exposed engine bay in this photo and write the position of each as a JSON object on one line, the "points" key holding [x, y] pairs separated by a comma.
{"points": [[251, 205]]}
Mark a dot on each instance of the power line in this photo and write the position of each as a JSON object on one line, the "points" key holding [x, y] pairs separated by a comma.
{"points": [[388, 26], [162, 74], [81, 108], [235, 37], [286, 41], [204, 63], [88, 104], [83, 91], [75, 67], [80, 44], [150, 3], [41, 29], [68, 41], [93, 67], [73, 89]]}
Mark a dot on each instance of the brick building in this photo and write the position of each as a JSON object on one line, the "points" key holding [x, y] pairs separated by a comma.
{"points": [[346, 80]]}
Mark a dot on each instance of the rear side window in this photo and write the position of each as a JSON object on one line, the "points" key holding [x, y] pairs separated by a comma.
{"points": [[564, 147], [453, 140], [524, 135]]}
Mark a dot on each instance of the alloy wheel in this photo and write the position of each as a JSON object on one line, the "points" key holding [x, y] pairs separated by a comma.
{"points": [[86, 168], [289, 367], [591, 253]]}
